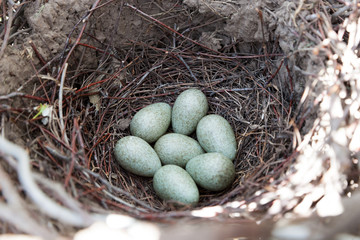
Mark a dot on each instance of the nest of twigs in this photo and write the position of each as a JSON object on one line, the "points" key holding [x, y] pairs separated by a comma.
{"points": [[98, 106], [77, 113]]}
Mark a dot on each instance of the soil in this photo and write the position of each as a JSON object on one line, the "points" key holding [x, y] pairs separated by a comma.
{"points": [[53, 22]]}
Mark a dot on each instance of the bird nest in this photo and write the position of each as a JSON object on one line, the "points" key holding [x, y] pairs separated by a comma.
{"points": [[288, 90]]}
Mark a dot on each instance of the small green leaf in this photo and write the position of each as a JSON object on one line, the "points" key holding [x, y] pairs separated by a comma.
{"points": [[40, 109]]}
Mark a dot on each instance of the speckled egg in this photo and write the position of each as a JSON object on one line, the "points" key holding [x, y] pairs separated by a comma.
{"points": [[212, 171], [172, 182], [177, 149], [190, 106], [137, 156], [151, 122], [215, 134]]}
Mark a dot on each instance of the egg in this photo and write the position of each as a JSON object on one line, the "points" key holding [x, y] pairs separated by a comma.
{"points": [[177, 149], [151, 122], [212, 171], [215, 134], [190, 106], [137, 156], [172, 182]]}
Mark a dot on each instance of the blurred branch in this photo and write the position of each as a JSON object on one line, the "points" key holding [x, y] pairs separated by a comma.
{"points": [[7, 31], [14, 211], [45, 204]]}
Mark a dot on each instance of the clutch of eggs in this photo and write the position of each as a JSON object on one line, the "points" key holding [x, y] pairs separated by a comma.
{"points": [[208, 161]]}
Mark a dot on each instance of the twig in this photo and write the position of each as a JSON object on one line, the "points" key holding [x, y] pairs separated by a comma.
{"points": [[340, 11], [14, 210], [169, 28], [38, 54], [188, 68], [19, 32], [45, 204], [85, 21], [60, 192], [61, 118], [8, 29], [97, 176], [11, 95], [23, 222]]}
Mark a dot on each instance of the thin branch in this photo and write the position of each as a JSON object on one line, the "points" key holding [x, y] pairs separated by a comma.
{"points": [[45, 204], [62, 125], [8, 30], [14, 211]]}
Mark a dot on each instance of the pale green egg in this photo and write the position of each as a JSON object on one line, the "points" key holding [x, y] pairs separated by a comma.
{"points": [[177, 149], [215, 134], [190, 106], [151, 122], [172, 182], [212, 171], [137, 156]]}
